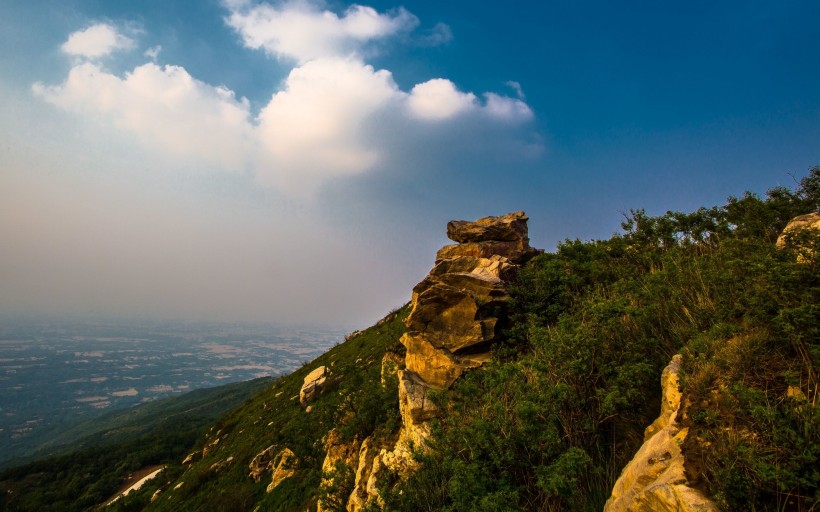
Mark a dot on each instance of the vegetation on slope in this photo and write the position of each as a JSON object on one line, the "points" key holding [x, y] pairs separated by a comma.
{"points": [[550, 425], [353, 401], [85, 472]]}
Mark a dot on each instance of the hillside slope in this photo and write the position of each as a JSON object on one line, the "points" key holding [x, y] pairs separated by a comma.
{"points": [[88, 463]]}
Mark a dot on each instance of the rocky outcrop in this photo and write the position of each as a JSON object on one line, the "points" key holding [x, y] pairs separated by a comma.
{"points": [[261, 463], [284, 464], [342, 457], [281, 465], [360, 495], [791, 236], [457, 307], [312, 385], [457, 314], [458, 310], [655, 478], [808, 221]]}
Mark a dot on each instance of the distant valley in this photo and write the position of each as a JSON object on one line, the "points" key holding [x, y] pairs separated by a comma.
{"points": [[55, 374]]}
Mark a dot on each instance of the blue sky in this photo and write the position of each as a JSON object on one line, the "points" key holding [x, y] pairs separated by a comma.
{"points": [[298, 161]]}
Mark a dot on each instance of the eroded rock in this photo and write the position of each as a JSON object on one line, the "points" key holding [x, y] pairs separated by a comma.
{"points": [[281, 465], [284, 464], [655, 478], [261, 463], [312, 385], [511, 227], [791, 236], [458, 312], [340, 456]]}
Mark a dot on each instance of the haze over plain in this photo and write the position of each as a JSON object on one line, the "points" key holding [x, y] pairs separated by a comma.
{"points": [[296, 161]]}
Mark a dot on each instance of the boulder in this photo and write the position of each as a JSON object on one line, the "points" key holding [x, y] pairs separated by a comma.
{"points": [[284, 464], [791, 236], [281, 465], [655, 478], [511, 227], [261, 463], [807, 221], [312, 385]]}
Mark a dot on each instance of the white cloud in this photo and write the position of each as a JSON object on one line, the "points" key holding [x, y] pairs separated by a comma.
{"points": [[163, 106], [334, 115], [96, 41], [316, 124], [301, 30], [439, 99], [507, 109]]}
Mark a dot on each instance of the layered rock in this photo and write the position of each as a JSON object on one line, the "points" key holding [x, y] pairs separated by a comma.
{"points": [[655, 478], [458, 306], [457, 314]]}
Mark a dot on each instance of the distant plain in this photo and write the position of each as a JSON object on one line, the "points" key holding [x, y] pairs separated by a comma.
{"points": [[55, 373]]}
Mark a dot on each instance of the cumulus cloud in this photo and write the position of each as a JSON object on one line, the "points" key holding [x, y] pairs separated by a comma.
{"points": [[506, 108], [163, 106], [96, 41], [439, 99], [334, 115], [316, 123], [302, 31]]}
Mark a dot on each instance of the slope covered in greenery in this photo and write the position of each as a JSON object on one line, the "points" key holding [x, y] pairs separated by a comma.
{"points": [[353, 401], [87, 464]]}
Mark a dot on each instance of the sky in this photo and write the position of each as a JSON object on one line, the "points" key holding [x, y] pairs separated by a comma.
{"points": [[297, 161]]}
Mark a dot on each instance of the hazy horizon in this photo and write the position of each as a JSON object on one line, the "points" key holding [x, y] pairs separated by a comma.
{"points": [[297, 161]]}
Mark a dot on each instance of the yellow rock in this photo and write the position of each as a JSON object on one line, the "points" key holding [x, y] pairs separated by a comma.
{"points": [[655, 479]]}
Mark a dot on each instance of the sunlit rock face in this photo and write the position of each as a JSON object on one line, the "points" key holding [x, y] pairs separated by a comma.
{"points": [[458, 306], [281, 465], [798, 235], [312, 386], [655, 478], [458, 312]]}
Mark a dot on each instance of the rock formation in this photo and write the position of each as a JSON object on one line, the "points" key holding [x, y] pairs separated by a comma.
{"points": [[655, 478], [808, 221], [791, 236], [458, 312], [282, 465], [340, 456], [312, 385]]}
